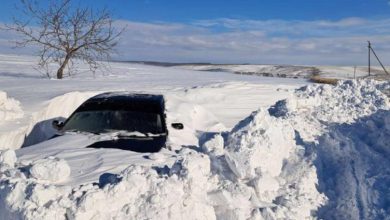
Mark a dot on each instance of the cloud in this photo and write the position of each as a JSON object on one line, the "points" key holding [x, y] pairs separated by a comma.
{"points": [[296, 28], [341, 42]]}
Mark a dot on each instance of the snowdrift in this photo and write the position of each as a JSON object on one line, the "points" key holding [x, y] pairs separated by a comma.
{"points": [[10, 112], [345, 132], [322, 153], [60, 107]]}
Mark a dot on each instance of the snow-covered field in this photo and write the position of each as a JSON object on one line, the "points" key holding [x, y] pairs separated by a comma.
{"points": [[290, 71], [252, 148]]}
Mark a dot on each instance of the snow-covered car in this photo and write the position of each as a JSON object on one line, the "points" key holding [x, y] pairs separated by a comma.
{"points": [[106, 134], [129, 121]]}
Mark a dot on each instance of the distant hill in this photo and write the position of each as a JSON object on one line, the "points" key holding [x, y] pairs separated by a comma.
{"points": [[164, 64], [284, 71]]}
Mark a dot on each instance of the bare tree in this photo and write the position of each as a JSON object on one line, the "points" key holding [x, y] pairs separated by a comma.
{"points": [[64, 33]]}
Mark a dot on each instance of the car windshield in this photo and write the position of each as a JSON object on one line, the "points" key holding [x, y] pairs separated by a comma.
{"points": [[103, 121]]}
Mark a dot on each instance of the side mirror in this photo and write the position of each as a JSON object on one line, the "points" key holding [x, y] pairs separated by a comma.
{"points": [[57, 125], [177, 126]]}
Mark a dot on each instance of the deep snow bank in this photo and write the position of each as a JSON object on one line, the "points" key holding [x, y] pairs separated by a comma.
{"points": [[138, 192], [214, 185], [354, 168], [264, 159], [209, 185], [345, 130], [10, 113], [60, 107]]}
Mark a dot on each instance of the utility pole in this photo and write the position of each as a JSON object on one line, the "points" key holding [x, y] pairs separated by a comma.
{"points": [[369, 58]]}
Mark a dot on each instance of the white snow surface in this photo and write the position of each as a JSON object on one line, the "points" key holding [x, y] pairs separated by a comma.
{"points": [[320, 152], [9, 108], [345, 129], [50, 169], [353, 168], [8, 158]]}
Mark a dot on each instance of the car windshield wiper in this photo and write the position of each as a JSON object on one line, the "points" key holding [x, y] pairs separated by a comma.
{"points": [[156, 134], [125, 133]]}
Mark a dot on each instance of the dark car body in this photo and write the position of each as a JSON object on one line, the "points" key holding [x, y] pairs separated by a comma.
{"points": [[136, 121]]}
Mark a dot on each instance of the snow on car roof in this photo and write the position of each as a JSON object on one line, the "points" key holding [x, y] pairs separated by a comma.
{"points": [[125, 100]]}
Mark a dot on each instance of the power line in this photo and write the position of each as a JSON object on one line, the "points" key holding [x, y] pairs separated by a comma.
{"points": [[370, 49]]}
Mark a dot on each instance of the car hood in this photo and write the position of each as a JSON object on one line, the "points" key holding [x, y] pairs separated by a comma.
{"points": [[89, 163]]}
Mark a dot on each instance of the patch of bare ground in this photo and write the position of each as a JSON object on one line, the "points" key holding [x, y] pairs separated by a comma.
{"points": [[319, 79]]}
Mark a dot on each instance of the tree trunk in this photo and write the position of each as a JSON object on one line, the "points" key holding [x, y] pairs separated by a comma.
{"points": [[60, 71]]}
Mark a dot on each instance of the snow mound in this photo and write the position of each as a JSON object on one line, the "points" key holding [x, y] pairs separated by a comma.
{"points": [[345, 132], [10, 112], [312, 108], [347, 101], [266, 162], [9, 108], [259, 144], [214, 146], [177, 192], [50, 169]]}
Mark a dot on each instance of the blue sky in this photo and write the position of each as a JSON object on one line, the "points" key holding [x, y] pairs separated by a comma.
{"points": [[188, 11], [327, 32]]}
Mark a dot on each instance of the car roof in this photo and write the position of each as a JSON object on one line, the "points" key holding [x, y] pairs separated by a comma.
{"points": [[128, 96], [125, 101]]}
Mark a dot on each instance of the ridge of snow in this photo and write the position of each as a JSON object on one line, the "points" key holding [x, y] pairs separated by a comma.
{"points": [[345, 131]]}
